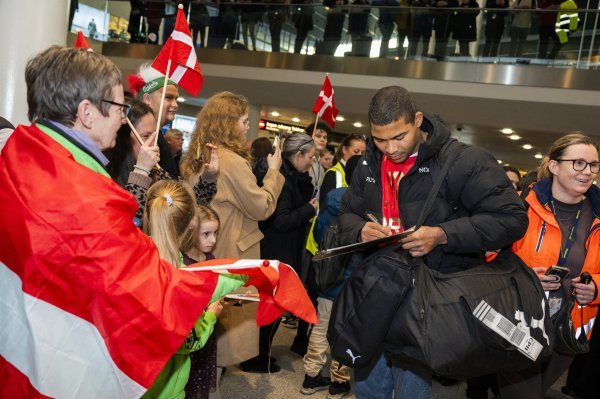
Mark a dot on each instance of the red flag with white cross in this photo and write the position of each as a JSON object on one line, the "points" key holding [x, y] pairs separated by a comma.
{"points": [[80, 42], [183, 68], [325, 104]]}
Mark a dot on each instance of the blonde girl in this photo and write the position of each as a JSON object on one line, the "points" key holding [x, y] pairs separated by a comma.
{"points": [[170, 219]]}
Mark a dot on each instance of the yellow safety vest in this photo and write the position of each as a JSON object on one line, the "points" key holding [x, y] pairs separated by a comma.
{"points": [[340, 181], [566, 21]]}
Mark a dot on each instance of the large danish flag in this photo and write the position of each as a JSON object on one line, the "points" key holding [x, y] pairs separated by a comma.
{"points": [[179, 48], [325, 104]]}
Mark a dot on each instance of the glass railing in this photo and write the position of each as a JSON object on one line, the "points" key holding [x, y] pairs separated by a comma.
{"points": [[558, 36]]}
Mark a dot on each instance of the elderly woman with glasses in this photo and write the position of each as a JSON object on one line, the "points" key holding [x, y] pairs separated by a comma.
{"points": [[564, 216], [134, 159]]}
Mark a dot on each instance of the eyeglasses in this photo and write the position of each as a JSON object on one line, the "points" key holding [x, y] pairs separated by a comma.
{"points": [[580, 165], [125, 108]]}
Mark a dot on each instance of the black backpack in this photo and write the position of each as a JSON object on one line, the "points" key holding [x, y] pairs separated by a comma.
{"points": [[329, 272]]}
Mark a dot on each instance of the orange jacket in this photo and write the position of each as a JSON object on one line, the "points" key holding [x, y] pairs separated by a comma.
{"points": [[540, 246]]}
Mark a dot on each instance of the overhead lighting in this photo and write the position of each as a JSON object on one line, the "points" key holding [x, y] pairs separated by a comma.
{"points": [[180, 99], [514, 137], [357, 124], [499, 161], [340, 118], [538, 156], [275, 113], [527, 146], [507, 130], [295, 119]]}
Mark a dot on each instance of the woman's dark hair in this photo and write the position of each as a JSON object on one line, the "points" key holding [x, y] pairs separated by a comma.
{"points": [[260, 148], [347, 142], [529, 178], [121, 158]]}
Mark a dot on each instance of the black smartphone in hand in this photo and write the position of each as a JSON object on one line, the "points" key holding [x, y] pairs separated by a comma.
{"points": [[558, 272]]}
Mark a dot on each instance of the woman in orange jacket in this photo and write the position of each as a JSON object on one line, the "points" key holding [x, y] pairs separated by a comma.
{"points": [[564, 230]]}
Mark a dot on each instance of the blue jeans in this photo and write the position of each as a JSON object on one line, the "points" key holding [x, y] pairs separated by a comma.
{"points": [[383, 381]]}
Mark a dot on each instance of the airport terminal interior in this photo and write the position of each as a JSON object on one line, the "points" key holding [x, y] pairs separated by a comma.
{"points": [[508, 81]]}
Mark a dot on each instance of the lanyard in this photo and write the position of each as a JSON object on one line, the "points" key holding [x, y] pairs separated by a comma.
{"points": [[564, 251]]}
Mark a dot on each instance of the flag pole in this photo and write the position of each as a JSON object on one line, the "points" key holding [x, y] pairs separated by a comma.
{"points": [[162, 101], [137, 135], [315, 128]]}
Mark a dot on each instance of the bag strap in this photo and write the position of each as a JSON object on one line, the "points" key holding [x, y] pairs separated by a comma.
{"points": [[438, 183]]}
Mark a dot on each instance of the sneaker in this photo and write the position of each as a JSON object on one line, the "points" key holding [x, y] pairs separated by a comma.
{"points": [[290, 321], [260, 364], [314, 384], [338, 390]]}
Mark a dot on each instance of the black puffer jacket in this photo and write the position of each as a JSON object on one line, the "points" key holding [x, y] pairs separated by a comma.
{"points": [[477, 206], [285, 231]]}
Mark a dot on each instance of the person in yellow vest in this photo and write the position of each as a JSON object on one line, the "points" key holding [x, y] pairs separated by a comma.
{"points": [[335, 177], [353, 144], [567, 20]]}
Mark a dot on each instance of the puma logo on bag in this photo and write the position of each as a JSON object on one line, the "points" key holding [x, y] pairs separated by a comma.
{"points": [[349, 352]]}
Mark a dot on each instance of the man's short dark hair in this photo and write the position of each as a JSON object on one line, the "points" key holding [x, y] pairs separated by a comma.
{"points": [[59, 78], [390, 104], [320, 125]]}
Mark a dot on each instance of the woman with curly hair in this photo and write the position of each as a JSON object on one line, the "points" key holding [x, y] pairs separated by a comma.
{"points": [[239, 202]]}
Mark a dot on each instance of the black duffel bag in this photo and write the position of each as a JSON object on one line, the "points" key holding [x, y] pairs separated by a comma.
{"points": [[473, 322]]}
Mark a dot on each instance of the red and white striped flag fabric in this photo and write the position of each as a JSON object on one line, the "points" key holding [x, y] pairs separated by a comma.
{"points": [[87, 307], [325, 104], [80, 42], [279, 287], [179, 48]]}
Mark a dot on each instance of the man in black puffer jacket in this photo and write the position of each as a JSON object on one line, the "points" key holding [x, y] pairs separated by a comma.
{"points": [[477, 209]]}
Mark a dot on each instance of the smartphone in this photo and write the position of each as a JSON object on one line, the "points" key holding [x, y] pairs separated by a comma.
{"points": [[558, 272], [586, 278], [315, 193]]}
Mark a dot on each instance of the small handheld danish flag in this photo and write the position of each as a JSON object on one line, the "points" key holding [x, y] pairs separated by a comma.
{"points": [[325, 104], [80, 42], [179, 49]]}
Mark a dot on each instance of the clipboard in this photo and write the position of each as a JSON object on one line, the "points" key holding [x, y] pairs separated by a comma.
{"points": [[243, 297], [359, 246]]}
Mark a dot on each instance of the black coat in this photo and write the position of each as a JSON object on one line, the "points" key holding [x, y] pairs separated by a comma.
{"points": [[286, 230], [464, 23], [477, 206]]}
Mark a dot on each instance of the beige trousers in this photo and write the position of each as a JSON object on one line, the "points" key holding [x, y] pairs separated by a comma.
{"points": [[316, 355]]}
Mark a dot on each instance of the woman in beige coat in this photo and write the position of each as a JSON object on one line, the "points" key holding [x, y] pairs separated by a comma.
{"points": [[240, 202]]}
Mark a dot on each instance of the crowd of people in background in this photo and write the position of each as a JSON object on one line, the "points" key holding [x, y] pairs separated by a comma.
{"points": [[226, 197], [528, 26]]}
